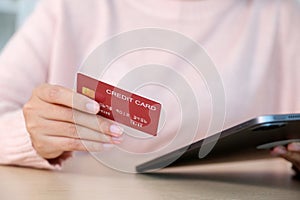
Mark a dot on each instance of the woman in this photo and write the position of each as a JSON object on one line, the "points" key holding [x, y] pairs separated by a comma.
{"points": [[254, 44]]}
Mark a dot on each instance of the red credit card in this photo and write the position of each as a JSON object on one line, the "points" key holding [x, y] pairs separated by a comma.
{"points": [[121, 106]]}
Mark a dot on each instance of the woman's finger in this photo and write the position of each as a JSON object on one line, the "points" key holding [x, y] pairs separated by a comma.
{"points": [[70, 130], [51, 146], [292, 156], [54, 94], [73, 144], [294, 147], [94, 122]]}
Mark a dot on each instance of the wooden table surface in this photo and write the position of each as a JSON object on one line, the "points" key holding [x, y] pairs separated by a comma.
{"points": [[84, 178]]}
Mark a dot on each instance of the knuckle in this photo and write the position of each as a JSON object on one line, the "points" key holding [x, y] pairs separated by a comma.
{"points": [[31, 127], [104, 126], [45, 148], [53, 93], [38, 145], [72, 130], [69, 115], [66, 113], [27, 108], [73, 144]]}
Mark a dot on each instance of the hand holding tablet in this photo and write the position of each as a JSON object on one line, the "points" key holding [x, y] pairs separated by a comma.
{"points": [[249, 140]]}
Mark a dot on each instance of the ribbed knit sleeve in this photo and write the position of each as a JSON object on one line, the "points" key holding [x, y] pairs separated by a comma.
{"points": [[23, 66]]}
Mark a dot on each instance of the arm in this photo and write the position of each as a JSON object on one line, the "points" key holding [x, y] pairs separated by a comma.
{"points": [[23, 66], [37, 128]]}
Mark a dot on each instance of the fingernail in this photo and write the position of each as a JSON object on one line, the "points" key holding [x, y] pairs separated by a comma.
{"points": [[116, 129], [92, 107], [117, 139], [279, 151], [108, 146], [294, 147]]}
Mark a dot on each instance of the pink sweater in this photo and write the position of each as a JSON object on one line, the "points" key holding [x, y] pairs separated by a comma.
{"points": [[254, 44]]}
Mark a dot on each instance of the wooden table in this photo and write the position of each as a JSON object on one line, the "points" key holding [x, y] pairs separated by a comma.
{"points": [[85, 178]]}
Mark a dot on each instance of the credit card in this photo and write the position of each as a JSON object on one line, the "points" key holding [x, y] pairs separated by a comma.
{"points": [[121, 106]]}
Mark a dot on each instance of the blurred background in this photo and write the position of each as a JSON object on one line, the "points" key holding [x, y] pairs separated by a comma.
{"points": [[12, 15]]}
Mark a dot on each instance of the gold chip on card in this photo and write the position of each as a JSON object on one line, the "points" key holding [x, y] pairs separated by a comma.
{"points": [[88, 92]]}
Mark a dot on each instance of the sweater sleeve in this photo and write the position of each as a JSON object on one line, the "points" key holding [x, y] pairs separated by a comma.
{"points": [[24, 64]]}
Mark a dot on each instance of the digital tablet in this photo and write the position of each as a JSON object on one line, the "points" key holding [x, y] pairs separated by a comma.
{"points": [[252, 139]]}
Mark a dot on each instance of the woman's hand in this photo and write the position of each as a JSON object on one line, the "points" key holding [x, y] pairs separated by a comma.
{"points": [[290, 153], [49, 117]]}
